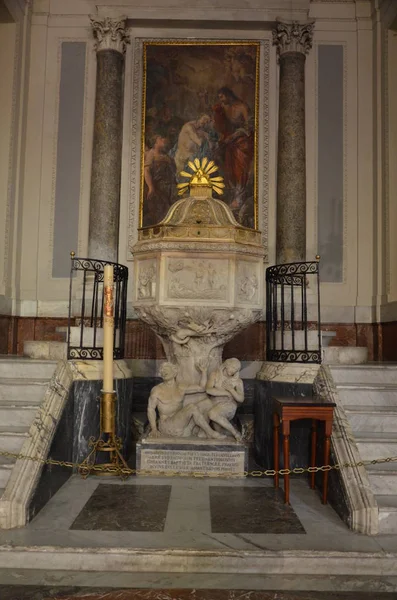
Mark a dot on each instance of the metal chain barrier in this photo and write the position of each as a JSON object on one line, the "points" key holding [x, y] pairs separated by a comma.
{"points": [[124, 472]]}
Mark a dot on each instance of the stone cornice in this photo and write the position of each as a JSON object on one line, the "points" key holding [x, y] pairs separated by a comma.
{"points": [[17, 8], [110, 34]]}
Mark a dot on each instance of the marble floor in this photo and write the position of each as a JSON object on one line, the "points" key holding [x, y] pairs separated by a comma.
{"points": [[188, 513], [227, 539], [72, 593]]}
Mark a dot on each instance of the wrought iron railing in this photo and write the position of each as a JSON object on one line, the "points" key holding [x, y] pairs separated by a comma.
{"points": [[293, 322], [85, 322]]}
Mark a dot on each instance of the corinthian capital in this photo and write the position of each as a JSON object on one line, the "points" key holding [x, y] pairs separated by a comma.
{"points": [[293, 37], [110, 34]]}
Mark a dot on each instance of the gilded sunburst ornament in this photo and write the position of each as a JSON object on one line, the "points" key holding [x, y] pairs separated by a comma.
{"points": [[201, 176]]}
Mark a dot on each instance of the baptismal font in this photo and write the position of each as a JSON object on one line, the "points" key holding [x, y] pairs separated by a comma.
{"points": [[198, 282]]}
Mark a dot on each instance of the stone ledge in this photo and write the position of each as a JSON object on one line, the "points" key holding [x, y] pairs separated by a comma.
{"points": [[282, 562], [288, 372], [45, 350], [345, 355]]}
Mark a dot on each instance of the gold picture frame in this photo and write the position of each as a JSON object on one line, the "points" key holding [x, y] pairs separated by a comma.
{"points": [[187, 112]]}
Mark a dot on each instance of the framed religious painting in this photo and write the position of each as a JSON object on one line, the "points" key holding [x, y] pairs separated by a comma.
{"points": [[200, 99]]}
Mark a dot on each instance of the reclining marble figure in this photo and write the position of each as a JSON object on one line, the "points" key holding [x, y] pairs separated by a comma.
{"points": [[176, 418]]}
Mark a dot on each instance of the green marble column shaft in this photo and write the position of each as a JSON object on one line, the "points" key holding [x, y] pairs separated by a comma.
{"points": [[103, 234], [293, 42]]}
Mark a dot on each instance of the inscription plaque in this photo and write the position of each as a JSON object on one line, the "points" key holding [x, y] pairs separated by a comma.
{"points": [[192, 458]]}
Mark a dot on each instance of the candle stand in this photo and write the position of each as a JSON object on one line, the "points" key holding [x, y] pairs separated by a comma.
{"points": [[107, 442]]}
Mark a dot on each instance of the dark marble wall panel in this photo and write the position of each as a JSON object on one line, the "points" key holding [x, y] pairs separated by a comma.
{"points": [[86, 415], [388, 341], [263, 424], [5, 324], [247, 408], [337, 496], [80, 421], [53, 477], [141, 387]]}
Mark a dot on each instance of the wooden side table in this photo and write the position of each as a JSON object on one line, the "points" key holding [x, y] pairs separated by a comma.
{"points": [[301, 407]]}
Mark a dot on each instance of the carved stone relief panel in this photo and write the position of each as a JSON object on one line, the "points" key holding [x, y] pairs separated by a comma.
{"points": [[248, 282], [146, 279], [199, 279]]}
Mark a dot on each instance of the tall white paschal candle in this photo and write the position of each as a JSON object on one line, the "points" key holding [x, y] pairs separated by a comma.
{"points": [[108, 328]]}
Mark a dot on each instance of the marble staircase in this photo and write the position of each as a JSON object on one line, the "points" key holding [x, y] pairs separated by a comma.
{"points": [[369, 396], [23, 382]]}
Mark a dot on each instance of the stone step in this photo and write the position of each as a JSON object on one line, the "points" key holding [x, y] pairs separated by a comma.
{"points": [[16, 415], [374, 419], [45, 350], [29, 391], [212, 565], [383, 478], [12, 437], [368, 395], [345, 355], [373, 445], [387, 513], [369, 373], [26, 368]]}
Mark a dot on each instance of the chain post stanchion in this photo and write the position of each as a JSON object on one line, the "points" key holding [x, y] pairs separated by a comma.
{"points": [[125, 471]]}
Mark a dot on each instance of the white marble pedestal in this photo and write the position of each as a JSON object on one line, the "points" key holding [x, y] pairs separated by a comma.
{"points": [[225, 458]]}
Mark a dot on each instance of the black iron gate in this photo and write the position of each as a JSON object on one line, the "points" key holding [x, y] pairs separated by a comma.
{"points": [[293, 324], [85, 322]]}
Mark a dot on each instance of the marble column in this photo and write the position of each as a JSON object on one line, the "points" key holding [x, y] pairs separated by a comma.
{"points": [[111, 38], [293, 41]]}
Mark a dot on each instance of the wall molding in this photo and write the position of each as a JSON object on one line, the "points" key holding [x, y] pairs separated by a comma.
{"points": [[386, 157], [12, 158], [135, 141], [55, 127], [264, 205], [345, 152]]}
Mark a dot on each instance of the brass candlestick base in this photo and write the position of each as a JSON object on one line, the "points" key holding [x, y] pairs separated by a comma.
{"points": [[107, 442]]}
